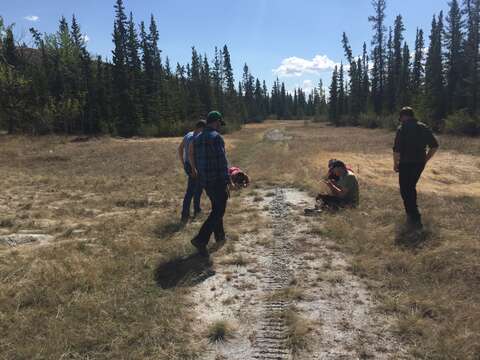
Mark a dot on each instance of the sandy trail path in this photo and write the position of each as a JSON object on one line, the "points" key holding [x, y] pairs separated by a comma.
{"points": [[287, 293]]}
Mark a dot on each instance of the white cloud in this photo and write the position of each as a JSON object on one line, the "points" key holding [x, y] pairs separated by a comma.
{"points": [[307, 86], [86, 38], [33, 18], [295, 66]]}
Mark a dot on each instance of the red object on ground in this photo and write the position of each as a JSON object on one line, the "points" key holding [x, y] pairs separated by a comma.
{"points": [[232, 171]]}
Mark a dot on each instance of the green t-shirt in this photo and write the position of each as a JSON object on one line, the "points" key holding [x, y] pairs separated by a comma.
{"points": [[350, 183]]}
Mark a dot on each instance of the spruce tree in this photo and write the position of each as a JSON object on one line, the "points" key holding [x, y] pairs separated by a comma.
{"points": [[123, 103], [453, 40], [378, 54], [403, 96], [418, 70], [390, 80], [341, 109], [365, 79], [471, 9], [434, 79], [398, 65], [333, 98]]}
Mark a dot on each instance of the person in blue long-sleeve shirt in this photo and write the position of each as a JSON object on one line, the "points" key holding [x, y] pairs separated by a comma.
{"points": [[209, 162], [194, 189]]}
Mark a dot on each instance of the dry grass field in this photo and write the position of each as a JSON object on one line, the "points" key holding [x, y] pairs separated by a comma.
{"points": [[112, 208]]}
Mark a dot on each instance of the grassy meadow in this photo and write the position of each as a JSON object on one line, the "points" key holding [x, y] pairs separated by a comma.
{"points": [[113, 207]]}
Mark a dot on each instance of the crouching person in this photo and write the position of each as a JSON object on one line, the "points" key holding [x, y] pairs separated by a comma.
{"points": [[344, 191]]}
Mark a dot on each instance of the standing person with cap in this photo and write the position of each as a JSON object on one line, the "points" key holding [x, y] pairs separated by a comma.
{"points": [[194, 189], [210, 165], [410, 156]]}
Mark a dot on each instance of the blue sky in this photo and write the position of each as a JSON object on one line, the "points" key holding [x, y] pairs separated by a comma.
{"points": [[263, 33]]}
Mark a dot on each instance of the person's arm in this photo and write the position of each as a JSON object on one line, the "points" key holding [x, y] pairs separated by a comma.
{"points": [[181, 149], [191, 159], [396, 161], [337, 190], [396, 151], [432, 146], [431, 152], [223, 162]]}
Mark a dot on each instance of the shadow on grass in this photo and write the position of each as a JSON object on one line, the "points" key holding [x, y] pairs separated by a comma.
{"points": [[168, 229], [183, 272]]}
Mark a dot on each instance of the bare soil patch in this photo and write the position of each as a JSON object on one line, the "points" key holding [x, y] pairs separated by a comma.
{"points": [[293, 296]]}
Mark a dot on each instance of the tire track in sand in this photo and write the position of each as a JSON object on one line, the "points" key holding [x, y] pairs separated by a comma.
{"points": [[286, 253]]}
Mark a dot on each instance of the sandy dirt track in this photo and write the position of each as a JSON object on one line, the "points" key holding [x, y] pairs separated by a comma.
{"points": [[287, 271]]}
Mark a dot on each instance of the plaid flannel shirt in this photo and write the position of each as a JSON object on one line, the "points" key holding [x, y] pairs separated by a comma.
{"points": [[210, 157]]}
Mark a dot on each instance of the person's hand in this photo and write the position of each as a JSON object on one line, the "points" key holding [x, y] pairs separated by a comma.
{"points": [[396, 168], [194, 172]]}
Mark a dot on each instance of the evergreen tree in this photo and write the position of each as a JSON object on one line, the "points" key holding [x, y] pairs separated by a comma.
{"points": [[454, 58], [378, 54], [471, 8], [231, 103], [333, 98], [390, 80], [434, 79], [341, 108], [418, 70], [399, 68], [403, 96], [365, 80], [123, 103]]}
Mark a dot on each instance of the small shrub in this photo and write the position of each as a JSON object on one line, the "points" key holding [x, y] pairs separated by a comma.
{"points": [[389, 122], [462, 122], [369, 120], [219, 331]]}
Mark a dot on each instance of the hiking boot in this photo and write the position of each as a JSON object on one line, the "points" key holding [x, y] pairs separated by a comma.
{"points": [[415, 222], [184, 220], [197, 214], [201, 248], [221, 239], [312, 212]]}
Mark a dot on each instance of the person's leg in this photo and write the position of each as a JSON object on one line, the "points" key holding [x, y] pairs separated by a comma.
{"points": [[187, 200], [417, 170], [219, 231], [408, 178], [405, 187], [331, 202], [197, 197], [217, 195]]}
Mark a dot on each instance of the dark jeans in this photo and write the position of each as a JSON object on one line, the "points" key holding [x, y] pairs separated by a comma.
{"points": [[333, 202], [194, 190], [218, 196], [409, 174]]}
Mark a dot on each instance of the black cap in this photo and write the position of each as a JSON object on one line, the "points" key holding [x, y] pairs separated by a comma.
{"points": [[215, 116], [338, 163], [407, 111]]}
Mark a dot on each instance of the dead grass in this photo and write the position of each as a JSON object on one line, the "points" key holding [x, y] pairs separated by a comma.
{"points": [[91, 295], [219, 331], [438, 267], [292, 293], [95, 295], [298, 330]]}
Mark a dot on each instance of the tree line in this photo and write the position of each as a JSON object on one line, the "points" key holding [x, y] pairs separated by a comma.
{"points": [[440, 82], [59, 86]]}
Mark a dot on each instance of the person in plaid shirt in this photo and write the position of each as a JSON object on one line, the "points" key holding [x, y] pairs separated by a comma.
{"points": [[209, 161]]}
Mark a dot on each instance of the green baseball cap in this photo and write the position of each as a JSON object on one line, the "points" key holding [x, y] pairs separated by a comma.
{"points": [[215, 116]]}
